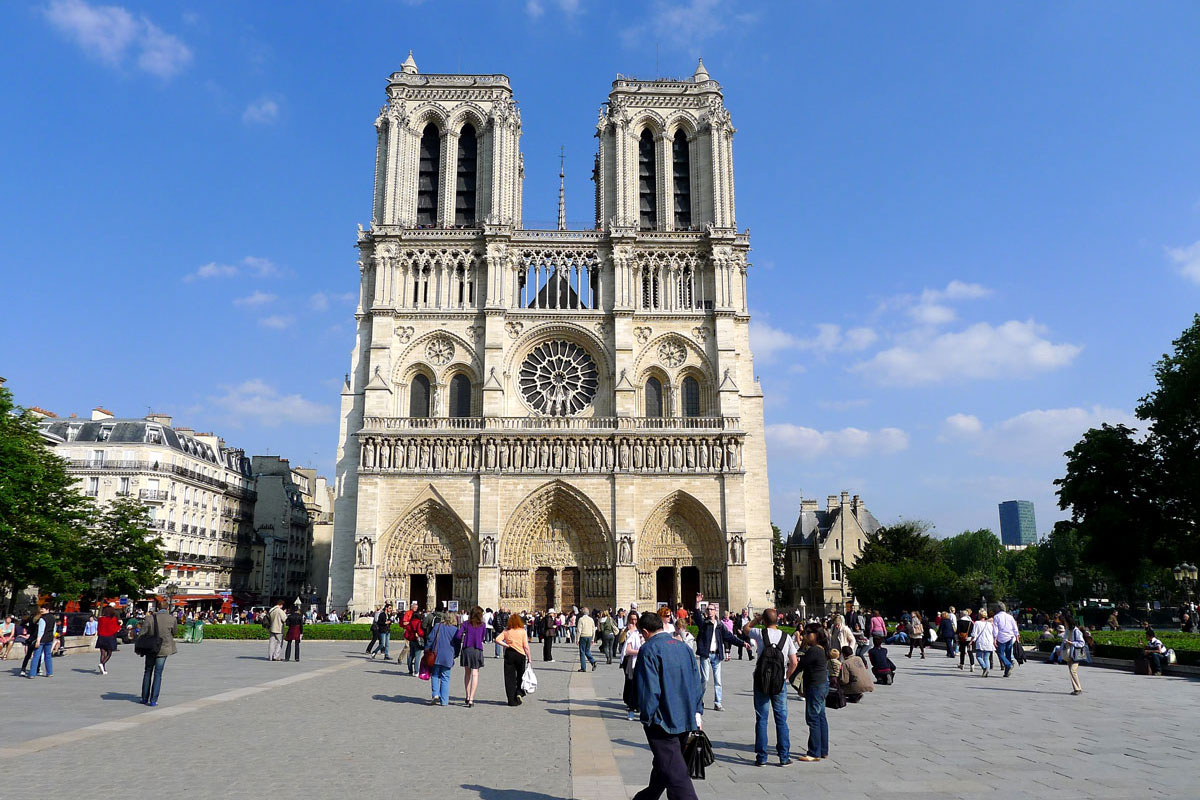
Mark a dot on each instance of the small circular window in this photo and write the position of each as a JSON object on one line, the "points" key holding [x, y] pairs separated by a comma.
{"points": [[558, 378]]}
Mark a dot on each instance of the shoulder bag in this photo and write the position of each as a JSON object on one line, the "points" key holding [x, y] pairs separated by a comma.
{"points": [[148, 643], [430, 658]]}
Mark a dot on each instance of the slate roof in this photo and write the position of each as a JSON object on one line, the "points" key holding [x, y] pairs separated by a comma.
{"points": [[137, 431], [812, 527]]}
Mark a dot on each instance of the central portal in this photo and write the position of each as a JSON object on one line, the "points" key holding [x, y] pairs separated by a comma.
{"points": [[556, 552]]}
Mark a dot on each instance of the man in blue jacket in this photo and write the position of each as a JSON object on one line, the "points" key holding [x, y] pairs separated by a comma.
{"points": [[671, 701], [712, 637]]}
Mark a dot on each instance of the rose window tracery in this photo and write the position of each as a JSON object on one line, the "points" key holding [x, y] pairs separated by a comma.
{"points": [[672, 353], [440, 351], [558, 378]]}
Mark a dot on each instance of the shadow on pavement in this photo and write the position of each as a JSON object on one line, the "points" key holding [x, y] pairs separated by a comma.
{"points": [[400, 698], [126, 696], [486, 793]]}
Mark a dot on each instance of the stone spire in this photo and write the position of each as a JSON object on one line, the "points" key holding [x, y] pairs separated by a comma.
{"points": [[699, 76], [562, 193], [410, 66]]}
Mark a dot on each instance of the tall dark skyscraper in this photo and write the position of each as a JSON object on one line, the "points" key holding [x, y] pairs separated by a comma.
{"points": [[1017, 525]]}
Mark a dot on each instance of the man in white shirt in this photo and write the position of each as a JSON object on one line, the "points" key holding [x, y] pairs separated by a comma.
{"points": [[767, 638], [1007, 633]]}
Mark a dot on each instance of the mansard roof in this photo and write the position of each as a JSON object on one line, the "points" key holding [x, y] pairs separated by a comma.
{"points": [[137, 431], [813, 526]]}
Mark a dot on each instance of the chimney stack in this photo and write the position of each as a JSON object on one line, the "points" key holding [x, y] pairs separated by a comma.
{"points": [[161, 419], [99, 413], [845, 498], [831, 502]]}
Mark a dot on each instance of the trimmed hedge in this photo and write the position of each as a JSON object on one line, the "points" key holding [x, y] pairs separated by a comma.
{"points": [[1179, 642], [359, 631]]}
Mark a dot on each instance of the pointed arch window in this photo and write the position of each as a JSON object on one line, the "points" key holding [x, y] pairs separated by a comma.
{"points": [[647, 181], [460, 396], [654, 398], [464, 193], [691, 397], [681, 179], [418, 397], [428, 181]]}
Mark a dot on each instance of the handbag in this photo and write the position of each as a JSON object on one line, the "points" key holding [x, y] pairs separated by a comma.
{"points": [[430, 657], [699, 754], [148, 643]]}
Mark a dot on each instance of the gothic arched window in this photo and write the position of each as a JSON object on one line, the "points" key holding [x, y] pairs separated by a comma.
{"points": [[654, 398], [418, 397], [428, 179], [681, 177], [460, 396], [647, 182], [464, 193], [691, 397]]}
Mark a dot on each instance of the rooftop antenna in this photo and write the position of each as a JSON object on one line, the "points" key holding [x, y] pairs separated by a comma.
{"points": [[562, 195]]}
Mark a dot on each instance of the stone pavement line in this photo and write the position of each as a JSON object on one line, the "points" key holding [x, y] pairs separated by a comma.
{"points": [[101, 728], [594, 773]]}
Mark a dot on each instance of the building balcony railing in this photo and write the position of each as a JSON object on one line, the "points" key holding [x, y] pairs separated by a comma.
{"points": [[519, 424], [117, 465], [153, 495]]}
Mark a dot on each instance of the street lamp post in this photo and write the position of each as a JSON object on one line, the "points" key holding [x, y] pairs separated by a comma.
{"points": [[1063, 581], [1186, 574], [918, 592], [169, 592], [985, 588], [98, 586]]}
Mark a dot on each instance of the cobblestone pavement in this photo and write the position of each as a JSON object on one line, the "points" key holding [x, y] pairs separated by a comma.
{"points": [[234, 725]]}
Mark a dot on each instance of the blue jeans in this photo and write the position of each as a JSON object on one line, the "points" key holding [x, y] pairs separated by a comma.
{"points": [[42, 653], [783, 739], [152, 678], [384, 640], [818, 725], [585, 652], [439, 683], [984, 657], [1004, 653], [951, 647], [414, 656], [710, 668]]}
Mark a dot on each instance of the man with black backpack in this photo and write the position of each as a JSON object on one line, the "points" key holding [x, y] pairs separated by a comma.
{"points": [[777, 658]]}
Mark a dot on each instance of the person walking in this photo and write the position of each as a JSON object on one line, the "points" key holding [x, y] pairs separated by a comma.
{"points": [[549, 628], [585, 629], [41, 634], [671, 703], [106, 636], [777, 658], [815, 668], [515, 642], [294, 633], [629, 656], [1074, 650], [276, 625], [712, 639], [876, 626], [441, 642], [607, 631], [162, 624], [414, 634], [983, 633], [916, 636], [962, 631], [946, 632], [381, 628], [1007, 633], [470, 638]]}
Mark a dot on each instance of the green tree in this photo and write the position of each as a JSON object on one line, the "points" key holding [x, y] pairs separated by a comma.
{"points": [[120, 548], [1172, 411], [974, 553], [779, 562], [1112, 490], [905, 540], [42, 517]]}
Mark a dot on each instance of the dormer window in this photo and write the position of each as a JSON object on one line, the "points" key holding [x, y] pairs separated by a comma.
{"points": [[105, 432], [154, 436], [73, 432]]}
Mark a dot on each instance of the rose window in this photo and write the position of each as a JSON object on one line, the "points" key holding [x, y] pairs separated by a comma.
{"points": [[440, 351], [558, 379]]}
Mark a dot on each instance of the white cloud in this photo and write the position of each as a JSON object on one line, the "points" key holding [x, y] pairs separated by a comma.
{"points": [[320, 301], [1012, 349], [256, 401], [534, 9], [253, 265], [931, 308], [1036, 436], [767, 342], [257, 298], [277, 321], [110, 33], [263, 111], [807, 444], [684, 25], [1187, 259]]}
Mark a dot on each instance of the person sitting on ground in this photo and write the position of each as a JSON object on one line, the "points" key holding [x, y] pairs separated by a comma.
{"points": [[1156, 651], [855, 678], [900, 636], [881, 666]]}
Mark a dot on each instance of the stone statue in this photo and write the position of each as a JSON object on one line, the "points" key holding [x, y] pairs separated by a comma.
{"points": [[626, 550], [424, 454], [490, 460], [543, 455], [638, 452], [369, 454], [489, 551], [731, 455], [504, 454], [384, 458], [518, 456], [623, 454], [703, 454], [410, 455], [717, 454], [584, 456], [571, 453], [690, 455], [558, 454], [364, 552]]}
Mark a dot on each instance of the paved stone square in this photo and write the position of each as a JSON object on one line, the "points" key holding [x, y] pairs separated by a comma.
{"points": [[234, 725]]}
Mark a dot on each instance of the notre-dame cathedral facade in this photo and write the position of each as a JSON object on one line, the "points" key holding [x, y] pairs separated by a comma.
{"points": [[551, 417]]}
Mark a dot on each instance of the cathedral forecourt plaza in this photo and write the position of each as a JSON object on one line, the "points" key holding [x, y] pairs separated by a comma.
{"points": [[547, 418]]}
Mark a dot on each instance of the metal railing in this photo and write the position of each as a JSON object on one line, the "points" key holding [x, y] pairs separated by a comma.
{"points": [[153, 495], [473, 424]]}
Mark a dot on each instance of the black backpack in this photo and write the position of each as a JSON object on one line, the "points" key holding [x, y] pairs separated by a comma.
{"points": [[770, 671]]}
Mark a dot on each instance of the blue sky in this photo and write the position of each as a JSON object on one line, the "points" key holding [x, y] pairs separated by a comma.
{"points": [[974, 227]]}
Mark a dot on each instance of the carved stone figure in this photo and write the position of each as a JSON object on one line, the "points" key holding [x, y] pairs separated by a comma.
{"points": [[504, 454], [731, 454], [664, 455], [490, 459], [609, 457], [623, 455], [638, 453], [703, 454], [625, 551], [651, 456], [572, 448], [369, 454], [424, 454], [364, 552], [717, 455], [543, 455], [488, 552], [558, 454], [585, 459], [384, 457], [677, 455], [689, 455], [439, 451], [518, 456]]}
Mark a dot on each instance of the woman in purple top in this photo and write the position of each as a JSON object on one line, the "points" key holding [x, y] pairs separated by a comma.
{"points": [[440, 639], [471, 635]]}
